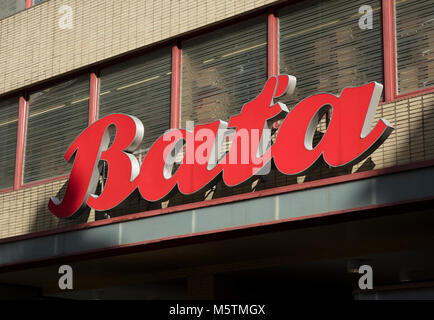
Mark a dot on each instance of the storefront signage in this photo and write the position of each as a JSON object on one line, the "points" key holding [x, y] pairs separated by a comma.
{"points": [[350, 137]]}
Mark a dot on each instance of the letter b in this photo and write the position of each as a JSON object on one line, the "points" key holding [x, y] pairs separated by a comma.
{"points": [[86, 151]]}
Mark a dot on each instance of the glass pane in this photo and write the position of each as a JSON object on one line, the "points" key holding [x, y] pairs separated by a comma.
{"points": [[415, 44], [322, 44], [57, 115], [223, 70], [8, 134], [140, 87], [10, 7]]}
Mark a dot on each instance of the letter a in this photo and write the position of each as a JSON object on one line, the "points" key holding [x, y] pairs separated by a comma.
{"points": [[365, 281], [65, 281]]}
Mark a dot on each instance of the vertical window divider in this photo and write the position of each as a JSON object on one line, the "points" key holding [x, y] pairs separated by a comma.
{"points": [[176, 88], [389, 50], [29, 3], [273, 45], [93, 97], [21, 141]]}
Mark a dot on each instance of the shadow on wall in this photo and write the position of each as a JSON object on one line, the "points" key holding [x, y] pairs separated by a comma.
{"points": [[45, 220]]}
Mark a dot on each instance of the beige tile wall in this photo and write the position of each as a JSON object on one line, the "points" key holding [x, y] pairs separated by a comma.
{"points": [[33, 47], [26, 210]]}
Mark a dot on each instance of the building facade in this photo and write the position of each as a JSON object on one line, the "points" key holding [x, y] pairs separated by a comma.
{"points": [[66, 64]]}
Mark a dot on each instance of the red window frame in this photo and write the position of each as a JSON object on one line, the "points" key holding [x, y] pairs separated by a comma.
{"points": [[389, 38]]}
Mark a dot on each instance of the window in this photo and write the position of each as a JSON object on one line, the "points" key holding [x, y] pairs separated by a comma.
{"points": [[415, 44], [57, 115], [322, 44], [10, 7], [140, 87], [8, 133], [223, 70]]}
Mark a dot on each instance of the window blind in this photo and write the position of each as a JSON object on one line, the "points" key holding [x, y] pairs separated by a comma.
{"points": [[415, 44], [57, 115], [322, 44], [140, 87], [223, 70], [8, 133], [10, 7]]}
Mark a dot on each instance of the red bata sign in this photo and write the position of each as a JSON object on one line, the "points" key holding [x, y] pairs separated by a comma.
{"points": [[348, 139]]}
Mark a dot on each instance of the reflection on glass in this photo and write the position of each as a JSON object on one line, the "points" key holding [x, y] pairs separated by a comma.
{"points": [[223, 70], [139, 87], [35, 2], [57, 115], [10, 7], [322, 44], [8, 134], [415, 44]]}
